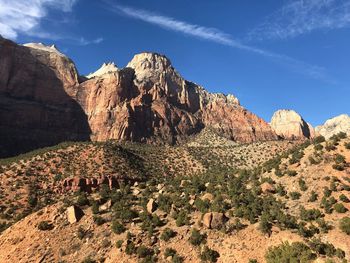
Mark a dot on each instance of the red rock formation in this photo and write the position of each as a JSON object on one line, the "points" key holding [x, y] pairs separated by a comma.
{"points": [[88, 185], [150, 102], [37, 87], [43, 103]]}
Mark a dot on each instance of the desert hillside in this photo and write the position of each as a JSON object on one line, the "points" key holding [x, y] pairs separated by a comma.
{"points": [[179, 204]]}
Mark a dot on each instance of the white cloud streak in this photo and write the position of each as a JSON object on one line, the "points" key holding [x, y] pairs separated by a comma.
{"points": [[217, 36], [300, 17], [25, 16]]}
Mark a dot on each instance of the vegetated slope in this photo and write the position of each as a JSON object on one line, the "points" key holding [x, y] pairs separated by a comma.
{"points": [[226, 217], [36, 179]]}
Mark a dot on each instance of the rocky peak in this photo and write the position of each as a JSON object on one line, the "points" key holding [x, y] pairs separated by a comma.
{"points": [[106, 68], [41, 46], [288, 124], [149, 61], [335, 125]]}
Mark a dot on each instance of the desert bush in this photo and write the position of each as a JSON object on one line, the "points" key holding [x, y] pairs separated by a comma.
{"points": [[340, 208], [286, 253], [143, 251], [319, 139], [209, 255], [291, 173], [294, 195], [45, 225], [99, 220], [169, 252], [310, 214], [197, 238], [117, 227], [167, 234], [345, 225], [347, 145], [343, 198], [182, 218], [313, 196]]}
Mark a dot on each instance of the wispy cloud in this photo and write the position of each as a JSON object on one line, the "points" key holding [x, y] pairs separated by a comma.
{"points": [[217, 36], [25, 17], [303, 16]]}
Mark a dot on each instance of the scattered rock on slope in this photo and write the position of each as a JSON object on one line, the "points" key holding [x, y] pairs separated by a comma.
{"points": [[288, 124], [335, 125]]}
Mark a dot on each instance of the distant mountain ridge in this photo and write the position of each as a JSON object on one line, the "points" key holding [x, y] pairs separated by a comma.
{"points": [[44, 101]]}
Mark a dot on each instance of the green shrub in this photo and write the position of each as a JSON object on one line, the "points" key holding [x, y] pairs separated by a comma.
{"points": [[321, 248], [167, 234], [313, 196], [130, 247], [319, 139], [287, 253], [197, 238], [302, 184], [143, 251], [340, 208], [117, 227], [99, 220], [345, 225], [169, 252], [45, 225], [343, 198], [347, 145], [294, 195], [82, 200], [209, 255], [310, 214], [291, 173], [95, 208], [182, 218], [119, 243]]}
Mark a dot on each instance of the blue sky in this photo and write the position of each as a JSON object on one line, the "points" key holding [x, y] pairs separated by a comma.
{"points": [[291, 54]]}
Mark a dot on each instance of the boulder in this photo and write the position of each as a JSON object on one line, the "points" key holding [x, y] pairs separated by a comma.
{"points": [[151, 206], [214, 220], [106, 206], [74, 214], [208, 196], [267, 188]]}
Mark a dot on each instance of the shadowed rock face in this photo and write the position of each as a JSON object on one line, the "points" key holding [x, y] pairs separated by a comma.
{"points": [[42, 102], [37, 108]]}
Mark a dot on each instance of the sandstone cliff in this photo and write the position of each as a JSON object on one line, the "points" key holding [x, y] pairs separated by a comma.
{"points": [[149, 101], [288, 124], [335, 125], [44, 101], [37, 106]]}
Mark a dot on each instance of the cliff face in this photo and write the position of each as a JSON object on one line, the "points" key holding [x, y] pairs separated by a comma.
{"points": [[149, 101], [37, 86], [288, 124], [335, 125], [42, 102]]}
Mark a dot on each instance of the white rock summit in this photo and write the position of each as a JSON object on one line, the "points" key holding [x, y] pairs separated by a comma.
{"points": [[288, 124], [104, 69], [335, 125]]}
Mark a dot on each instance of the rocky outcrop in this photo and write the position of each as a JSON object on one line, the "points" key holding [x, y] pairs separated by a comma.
{"points": [[43, 101], [37, 106], [288, 124], [214, 220], [89, 185], [74, 214], [335, 125]]}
